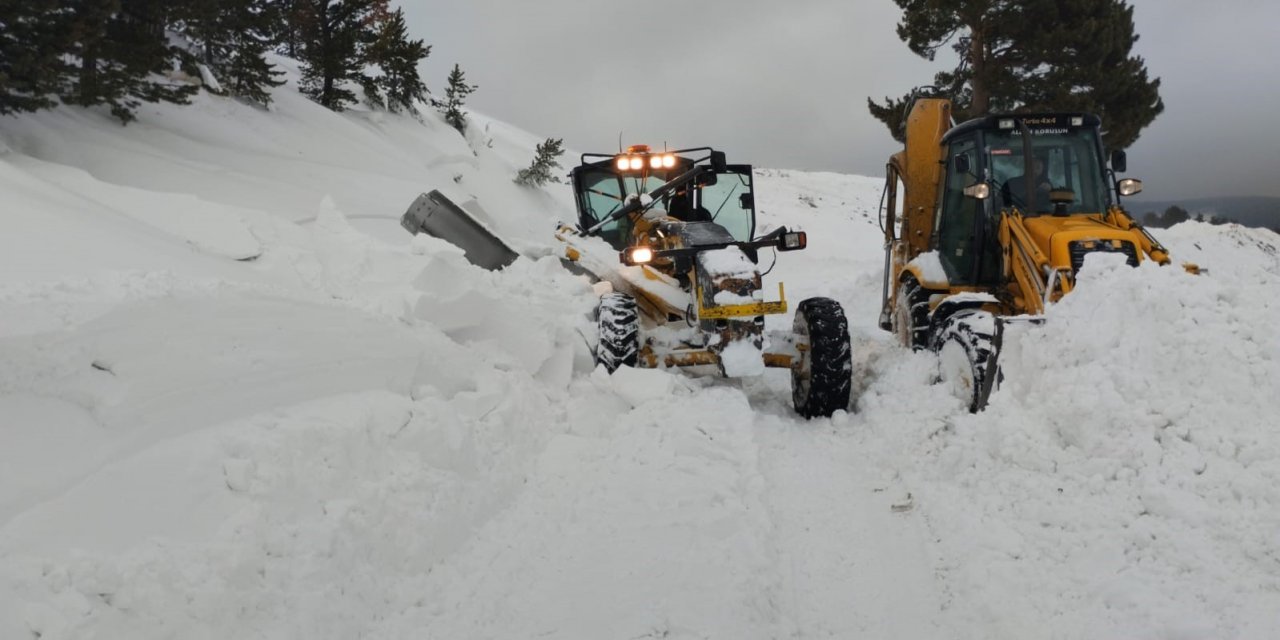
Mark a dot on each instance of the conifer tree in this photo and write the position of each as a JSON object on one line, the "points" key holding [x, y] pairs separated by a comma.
{"points": [[233, 37], [333, 34], [544, 160], [121, 47], [1037, 55], [397, 57], [32, 41], [455, 96]]}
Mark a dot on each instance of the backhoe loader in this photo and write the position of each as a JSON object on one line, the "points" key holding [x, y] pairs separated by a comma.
{"points": [[674, 235], [996, 217]]}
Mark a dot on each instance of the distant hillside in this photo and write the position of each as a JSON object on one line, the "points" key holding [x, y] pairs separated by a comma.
{"points": [[1251, 211]]}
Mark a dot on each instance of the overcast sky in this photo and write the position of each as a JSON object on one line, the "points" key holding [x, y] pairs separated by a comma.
{"points": [[784, 83]]}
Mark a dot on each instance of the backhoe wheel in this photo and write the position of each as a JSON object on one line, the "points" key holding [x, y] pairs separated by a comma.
{"points": [[968, 346], [821, 380], [911, 315], [619, 327]]}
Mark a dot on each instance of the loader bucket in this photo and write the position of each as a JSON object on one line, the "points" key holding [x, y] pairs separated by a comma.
{"points": [[437, 216]]}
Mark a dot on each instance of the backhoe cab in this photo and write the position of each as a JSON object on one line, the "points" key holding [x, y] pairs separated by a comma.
{"points": [[996, 217], [687, 289]]}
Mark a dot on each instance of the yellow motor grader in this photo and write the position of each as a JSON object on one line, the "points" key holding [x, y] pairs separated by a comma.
{"points": [[674, 234], [995, 219]]}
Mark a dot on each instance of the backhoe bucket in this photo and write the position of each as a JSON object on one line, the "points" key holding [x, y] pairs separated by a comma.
{"points": [[436, 215]]}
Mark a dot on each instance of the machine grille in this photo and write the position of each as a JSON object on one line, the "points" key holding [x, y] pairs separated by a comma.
{"points": [[1079, 248]]}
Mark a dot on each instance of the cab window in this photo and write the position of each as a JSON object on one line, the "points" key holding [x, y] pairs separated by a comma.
{"points": [[729, 202]]}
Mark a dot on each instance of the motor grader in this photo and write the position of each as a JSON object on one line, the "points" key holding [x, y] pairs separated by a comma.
{"points": [[997, 215], [673, 233]]}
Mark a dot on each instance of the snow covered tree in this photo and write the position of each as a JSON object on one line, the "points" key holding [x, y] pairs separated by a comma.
{"points": [[397, 56], [544, 160], [333, 36], [31, 46], [233, 37], [120, 48], [1033, 55], [455, 95]]}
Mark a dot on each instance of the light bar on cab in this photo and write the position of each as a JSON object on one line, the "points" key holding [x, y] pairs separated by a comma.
{"points": [[638, 157]]}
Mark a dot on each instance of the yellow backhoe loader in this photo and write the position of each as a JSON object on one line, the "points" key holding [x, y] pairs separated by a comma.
{"points": [[991, 219]]}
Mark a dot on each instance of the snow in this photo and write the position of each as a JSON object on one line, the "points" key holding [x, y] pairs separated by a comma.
{"points": [[931, 271], [239, 401], [741, 358]]}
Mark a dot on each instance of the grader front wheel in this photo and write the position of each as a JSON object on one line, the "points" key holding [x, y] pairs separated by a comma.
{"points": [[822, 378]]}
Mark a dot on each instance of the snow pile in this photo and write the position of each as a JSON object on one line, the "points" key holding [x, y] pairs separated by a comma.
{"points": [[1128, 466]]}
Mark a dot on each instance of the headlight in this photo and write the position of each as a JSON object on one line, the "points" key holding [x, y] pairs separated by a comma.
{"points": [[1129, 186], [668, 161], [655, 162], [637, 163], [637, 255], [623, 164]]}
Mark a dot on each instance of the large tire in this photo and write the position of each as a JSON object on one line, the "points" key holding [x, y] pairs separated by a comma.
{"points": [[618, 323], [822, 379], [968, 346], [911, 315]]}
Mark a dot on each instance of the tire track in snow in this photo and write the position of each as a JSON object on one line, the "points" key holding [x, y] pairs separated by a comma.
{"points": [[852, 553]]}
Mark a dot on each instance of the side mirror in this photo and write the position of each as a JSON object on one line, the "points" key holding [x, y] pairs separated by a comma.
{"points": [[718, 162], [793, 241], [1119, 161], [961, 163], [707, 179], [1129, 187], [747, 201]]}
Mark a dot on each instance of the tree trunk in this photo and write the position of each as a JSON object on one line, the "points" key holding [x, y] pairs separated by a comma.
{"points": [[978, 80]]}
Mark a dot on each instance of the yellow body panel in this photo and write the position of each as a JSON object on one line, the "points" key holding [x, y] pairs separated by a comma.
{"points": [[722, 312]]}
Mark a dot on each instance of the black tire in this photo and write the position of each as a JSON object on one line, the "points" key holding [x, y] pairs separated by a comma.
{"points": [[911, 315], [618, 323], [968, 346], [822, 379]]}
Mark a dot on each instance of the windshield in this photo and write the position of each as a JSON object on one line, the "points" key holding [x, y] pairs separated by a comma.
{"points": [[726, 205], [604, 192], [1062, 160]]}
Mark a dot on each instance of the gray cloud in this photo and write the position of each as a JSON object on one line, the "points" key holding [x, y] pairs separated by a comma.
{"points": [[784, 84]]}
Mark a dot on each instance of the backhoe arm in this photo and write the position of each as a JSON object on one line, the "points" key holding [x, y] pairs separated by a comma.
{"points": [[1039, 283]]}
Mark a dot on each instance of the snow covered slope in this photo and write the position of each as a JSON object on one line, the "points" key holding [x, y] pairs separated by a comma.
{"points": [[237, 401]]}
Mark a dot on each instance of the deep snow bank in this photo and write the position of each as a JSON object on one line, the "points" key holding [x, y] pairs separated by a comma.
{"points": [[1128, 466]]}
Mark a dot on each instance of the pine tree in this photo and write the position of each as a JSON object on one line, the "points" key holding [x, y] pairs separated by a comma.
{"points": [[544, 160], [233, 37], [31, 46], [121, 46], [1174, 215], [455, 95], [333, 35], [399, 84], [1033, 55]]}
